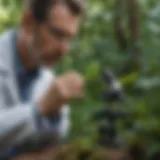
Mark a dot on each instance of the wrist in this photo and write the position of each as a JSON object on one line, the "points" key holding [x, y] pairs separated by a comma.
{"points": [[43, 108]]}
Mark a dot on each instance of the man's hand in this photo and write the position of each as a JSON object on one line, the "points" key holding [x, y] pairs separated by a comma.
{"points": [[64, 88]]}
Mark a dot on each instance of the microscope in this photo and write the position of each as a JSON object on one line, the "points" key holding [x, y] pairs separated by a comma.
{"points": [[109, 114]]}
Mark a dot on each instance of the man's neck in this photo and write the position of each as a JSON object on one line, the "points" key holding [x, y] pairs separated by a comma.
{"points": [[26, 58]]}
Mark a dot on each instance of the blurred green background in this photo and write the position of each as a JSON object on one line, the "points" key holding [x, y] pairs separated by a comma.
{"points": [[123, 35]]}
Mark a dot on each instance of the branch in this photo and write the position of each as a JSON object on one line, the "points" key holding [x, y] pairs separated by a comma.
{"points": [[119, 30]]}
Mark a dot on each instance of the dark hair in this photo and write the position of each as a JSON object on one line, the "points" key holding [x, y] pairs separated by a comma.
{"points": [[41, 8]]}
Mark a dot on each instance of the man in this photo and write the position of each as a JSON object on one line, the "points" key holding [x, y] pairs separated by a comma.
{"points": [[32, 100]]}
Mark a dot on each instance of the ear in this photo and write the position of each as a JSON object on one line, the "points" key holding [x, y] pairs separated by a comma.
{"points": [[27, 22]]}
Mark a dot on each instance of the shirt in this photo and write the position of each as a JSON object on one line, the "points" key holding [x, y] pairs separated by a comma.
{"points": [[25, 79]]}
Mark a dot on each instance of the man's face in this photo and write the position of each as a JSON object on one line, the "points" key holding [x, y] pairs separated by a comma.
{"points": [[51, 39]]}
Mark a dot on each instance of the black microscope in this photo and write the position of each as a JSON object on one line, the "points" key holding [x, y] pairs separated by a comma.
{"points": [[108, 115]]}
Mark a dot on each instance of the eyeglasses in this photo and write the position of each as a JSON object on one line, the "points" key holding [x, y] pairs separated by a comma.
{"points": [[58, 34]]}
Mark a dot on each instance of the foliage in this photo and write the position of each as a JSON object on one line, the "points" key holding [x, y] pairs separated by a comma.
{"points": [[97, 46]]}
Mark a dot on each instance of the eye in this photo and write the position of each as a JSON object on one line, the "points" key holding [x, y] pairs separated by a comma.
{"points": [[59, 33]]}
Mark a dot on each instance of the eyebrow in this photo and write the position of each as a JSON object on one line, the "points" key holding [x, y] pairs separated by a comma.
{"points": [[61, 32]]}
